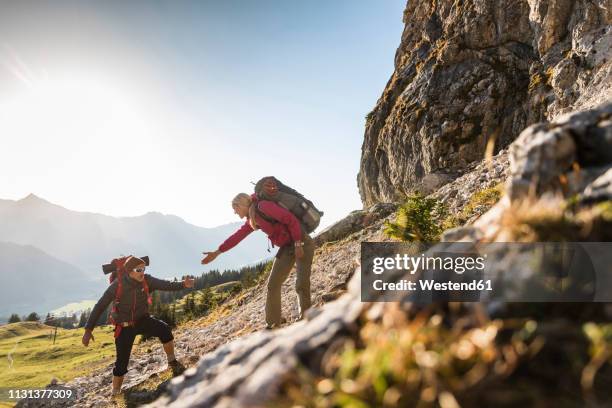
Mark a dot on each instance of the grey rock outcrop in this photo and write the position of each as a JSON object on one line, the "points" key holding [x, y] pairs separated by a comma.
{"points": [[600, 189], [468, 74], [456, 194], [544, 153], [570, 157]]}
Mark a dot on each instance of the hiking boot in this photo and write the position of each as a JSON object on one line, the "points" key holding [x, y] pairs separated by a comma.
{"points": [[176, 367], [276, 325]]}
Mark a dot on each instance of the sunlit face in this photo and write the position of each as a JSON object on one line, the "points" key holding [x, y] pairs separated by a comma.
{"points": [[241, 210], [138, 273]]}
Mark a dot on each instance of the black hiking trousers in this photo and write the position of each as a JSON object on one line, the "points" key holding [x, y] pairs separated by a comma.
{"points": [[148, 326]]}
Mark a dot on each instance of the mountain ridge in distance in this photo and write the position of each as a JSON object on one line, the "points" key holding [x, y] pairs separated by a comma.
{"points": [[87, 240], [77, 237]]}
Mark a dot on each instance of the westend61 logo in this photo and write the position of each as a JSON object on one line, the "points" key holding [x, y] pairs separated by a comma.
{"points": [[468, 272]]}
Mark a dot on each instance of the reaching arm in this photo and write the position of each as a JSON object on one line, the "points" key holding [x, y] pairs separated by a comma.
{"points": [[236, 237], [161, 284], [104, 301]]}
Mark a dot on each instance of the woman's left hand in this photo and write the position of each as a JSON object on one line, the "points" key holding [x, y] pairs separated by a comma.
{"points": [[188, 282]]}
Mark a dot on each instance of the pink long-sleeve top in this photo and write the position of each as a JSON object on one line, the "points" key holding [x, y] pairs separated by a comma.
{"points": [[287, 229]]}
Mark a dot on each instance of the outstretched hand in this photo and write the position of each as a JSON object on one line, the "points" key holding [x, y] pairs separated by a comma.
{"points": [[88, 335], [188, 282], [210, 256]]}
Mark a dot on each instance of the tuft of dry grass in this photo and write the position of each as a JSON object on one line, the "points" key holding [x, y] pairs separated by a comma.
{"points": [[552, 218], [479, 203], [535, 82]]}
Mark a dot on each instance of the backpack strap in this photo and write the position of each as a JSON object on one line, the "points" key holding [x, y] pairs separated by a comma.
{"points": [[273, 220], [119, 275], [145, 287], [263, 215], [266, 217]]}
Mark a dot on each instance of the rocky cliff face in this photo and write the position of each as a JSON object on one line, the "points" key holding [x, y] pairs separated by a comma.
{"points": [[471, 76]]}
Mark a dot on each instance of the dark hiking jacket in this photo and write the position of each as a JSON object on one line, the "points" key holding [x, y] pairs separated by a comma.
{"points": [[133, 301]]}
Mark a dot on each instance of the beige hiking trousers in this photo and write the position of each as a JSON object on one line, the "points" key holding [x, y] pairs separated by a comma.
{"points": [[285, 258]]}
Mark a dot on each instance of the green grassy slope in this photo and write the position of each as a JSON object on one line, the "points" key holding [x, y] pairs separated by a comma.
{"points": [[36, 360]]}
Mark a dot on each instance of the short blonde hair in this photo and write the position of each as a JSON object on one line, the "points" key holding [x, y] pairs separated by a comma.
{"points": [[245, 200], [242, 199]]}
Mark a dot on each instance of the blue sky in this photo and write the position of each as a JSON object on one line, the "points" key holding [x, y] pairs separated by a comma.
{"points": [[177, 106]]}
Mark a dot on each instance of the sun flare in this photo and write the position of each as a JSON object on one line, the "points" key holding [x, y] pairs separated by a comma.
{"points": [[74, 131], [70, 109]]}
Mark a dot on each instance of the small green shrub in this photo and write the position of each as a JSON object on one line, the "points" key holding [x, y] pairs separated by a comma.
{"points": [[418, 219]]}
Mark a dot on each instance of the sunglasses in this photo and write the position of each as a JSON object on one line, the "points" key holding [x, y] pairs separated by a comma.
{"points": [[139, 270]]}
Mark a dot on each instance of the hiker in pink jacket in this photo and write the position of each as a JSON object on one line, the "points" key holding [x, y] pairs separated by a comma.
{"points": [[295, 247]]}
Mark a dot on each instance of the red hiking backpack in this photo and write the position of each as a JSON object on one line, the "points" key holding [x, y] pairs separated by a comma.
{"points": [[117, 266]]}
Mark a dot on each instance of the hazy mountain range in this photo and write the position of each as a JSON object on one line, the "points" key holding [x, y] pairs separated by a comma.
{"points": [[50, 255], [31, 280]]}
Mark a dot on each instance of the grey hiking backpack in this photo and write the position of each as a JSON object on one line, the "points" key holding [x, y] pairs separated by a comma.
{"points": [[271, 189]]}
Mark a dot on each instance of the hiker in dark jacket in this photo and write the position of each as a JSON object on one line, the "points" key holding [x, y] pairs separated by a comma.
{"points": [[131, 316], [296, 247]]}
